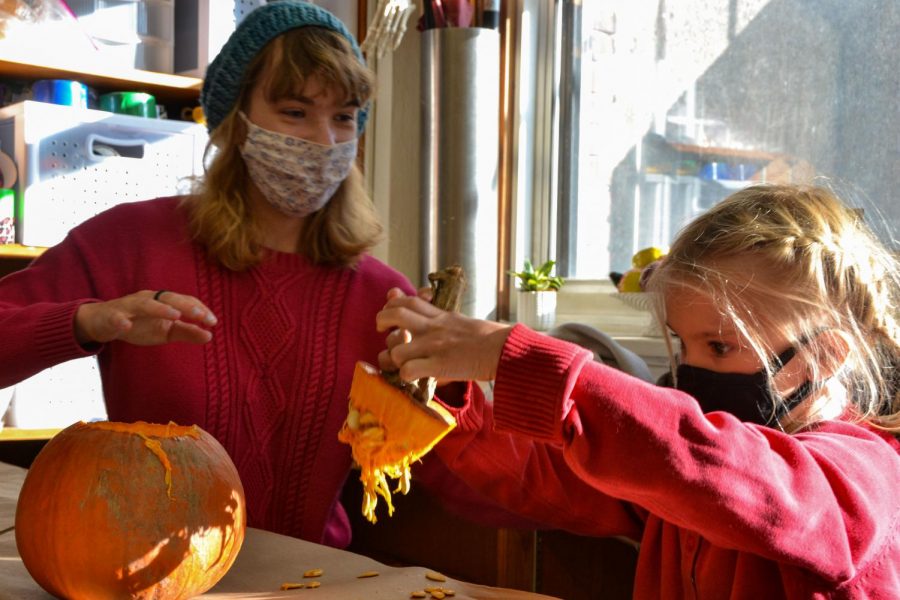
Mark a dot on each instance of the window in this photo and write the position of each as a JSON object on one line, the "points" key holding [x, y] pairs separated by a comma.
{"points": [[666, 107]]}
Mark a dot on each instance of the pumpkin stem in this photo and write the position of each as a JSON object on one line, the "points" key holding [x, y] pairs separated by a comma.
{"points": [[447, 286]]}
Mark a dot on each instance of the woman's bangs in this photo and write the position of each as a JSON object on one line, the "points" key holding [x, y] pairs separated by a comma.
{"points": [[325, 54]]}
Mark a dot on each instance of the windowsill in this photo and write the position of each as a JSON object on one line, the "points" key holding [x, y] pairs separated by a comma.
{"points": [[594, 303]]}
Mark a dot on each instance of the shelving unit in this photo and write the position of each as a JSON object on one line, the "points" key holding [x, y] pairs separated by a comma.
{"points": [[717, 152], [14, 63], [769, 166], [173, 91], [669, 183], [19, 446], [18, 251], [14, 434]]}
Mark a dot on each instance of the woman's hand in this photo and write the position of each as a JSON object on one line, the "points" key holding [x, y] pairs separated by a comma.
{"points": [[429, 342], [144, 321]]}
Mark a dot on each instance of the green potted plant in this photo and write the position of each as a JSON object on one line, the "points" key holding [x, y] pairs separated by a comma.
{"points": [[537, 287]]}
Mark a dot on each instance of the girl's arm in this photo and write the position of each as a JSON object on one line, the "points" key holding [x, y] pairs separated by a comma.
{"points": [[531, 479], [826, 500]]}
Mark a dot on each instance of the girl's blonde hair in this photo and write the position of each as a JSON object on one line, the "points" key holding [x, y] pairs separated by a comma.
{"points": [[220, 216], [795, 259]]}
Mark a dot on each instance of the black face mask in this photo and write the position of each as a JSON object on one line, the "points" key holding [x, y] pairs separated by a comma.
{"points": [[745, 395]]}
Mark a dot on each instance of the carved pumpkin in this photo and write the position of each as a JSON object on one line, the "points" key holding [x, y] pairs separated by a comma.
{"points": [[387, 431], [130, 510]]}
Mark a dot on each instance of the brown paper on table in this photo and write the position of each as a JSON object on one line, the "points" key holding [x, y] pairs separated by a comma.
{"points": [[266, 561]]}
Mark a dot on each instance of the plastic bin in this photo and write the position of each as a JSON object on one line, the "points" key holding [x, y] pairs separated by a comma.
{"points": [[57, 397], [74, 163]]}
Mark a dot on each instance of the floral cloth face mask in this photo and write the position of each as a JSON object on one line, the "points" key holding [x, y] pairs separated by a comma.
{"points": [[298, 177]]}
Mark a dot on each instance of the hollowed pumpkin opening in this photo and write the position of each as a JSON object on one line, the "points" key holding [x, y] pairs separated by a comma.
{"points": [[136, 510]]}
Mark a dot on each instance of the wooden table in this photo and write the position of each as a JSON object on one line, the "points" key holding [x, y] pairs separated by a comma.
{"points": [[266, 560]]}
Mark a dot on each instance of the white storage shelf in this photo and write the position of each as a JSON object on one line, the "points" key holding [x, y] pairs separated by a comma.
{"points": [[71, 391], [56, 397], [100, 158], [72, 164]]}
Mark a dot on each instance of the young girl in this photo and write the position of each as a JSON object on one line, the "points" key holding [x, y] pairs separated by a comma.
{"points": [[772, 472], [263, 272]]}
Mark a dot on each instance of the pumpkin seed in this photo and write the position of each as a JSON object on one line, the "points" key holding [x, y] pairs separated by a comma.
{"points": [[367, 574], [313, 573], [367, 418], [435, 576], [353, 419], [292, 586]]}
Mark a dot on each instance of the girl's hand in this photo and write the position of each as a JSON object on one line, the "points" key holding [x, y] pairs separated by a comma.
{"points": [[430, 342], [144, 321]]}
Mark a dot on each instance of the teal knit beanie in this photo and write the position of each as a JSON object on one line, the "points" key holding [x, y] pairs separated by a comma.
{"points": [[224, 74]]}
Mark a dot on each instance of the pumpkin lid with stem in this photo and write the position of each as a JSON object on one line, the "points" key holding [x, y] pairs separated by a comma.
{"points": [[391, 423]]}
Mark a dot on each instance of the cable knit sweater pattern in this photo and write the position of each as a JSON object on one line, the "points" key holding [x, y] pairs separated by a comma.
{"points": [[272, 384], [721, 508]]}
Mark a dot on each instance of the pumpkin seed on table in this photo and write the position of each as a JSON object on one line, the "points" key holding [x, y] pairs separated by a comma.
{"points": [[292, 586], [439, 592], [431, 575], [313, 573], [418, 595], [367, 574], [313, 584]]}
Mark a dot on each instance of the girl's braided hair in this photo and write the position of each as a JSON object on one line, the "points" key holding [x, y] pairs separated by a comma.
{"points": [[796, 257]]}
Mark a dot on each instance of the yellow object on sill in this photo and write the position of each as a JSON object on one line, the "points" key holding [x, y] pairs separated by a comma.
{"points": [[631, 281], [644, 257]]}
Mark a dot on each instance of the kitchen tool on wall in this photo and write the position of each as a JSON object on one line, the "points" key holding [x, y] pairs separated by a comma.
{"points": [[387, 28]]}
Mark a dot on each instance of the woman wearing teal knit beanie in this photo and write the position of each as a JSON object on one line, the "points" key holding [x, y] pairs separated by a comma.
{"points": [[243, 307], [285, 102]]}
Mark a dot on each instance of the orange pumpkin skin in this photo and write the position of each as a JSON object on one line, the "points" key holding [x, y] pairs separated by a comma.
{"points": [[130, 510]]}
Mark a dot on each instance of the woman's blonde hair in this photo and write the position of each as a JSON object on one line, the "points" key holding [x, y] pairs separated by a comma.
{"points": [[796, 259], [220, 216]]}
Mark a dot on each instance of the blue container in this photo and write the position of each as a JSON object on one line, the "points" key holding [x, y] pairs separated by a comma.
{"points": [[716, 171], [60, 91], [745, 171]]}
